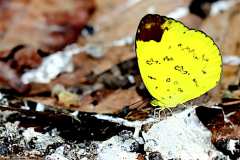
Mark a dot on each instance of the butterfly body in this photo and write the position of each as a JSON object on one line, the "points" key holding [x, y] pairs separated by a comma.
{"points": [[176, 63]]}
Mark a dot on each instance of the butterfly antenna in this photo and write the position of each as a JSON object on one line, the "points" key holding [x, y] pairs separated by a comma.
{"points": [[135, 102], [139, 104]]}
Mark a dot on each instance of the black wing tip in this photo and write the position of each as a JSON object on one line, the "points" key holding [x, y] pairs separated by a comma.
{"points": [[150, 28]]}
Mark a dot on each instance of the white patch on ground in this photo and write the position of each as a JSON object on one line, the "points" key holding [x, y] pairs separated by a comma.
{"points": [[131, 79], [42, 141], [116, 148], [135, 124], [179, 13], [151, 10], [57, 155], [180, 136], [122, 42], [61, 61], [1, 95], [95, 50], [232, 146], [131, 3], [40, 107], [25, 106], [52, 65], [5, 114], [231, 60], [3, 100], [74, 114], [223, 5], [125, 122]]}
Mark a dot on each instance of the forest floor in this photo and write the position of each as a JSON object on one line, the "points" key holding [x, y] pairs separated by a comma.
{"points": [[71, 88]]}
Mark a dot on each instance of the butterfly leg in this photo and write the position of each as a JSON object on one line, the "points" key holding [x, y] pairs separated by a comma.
{"points": [[158, 111], [170, 111], [162, 110]]}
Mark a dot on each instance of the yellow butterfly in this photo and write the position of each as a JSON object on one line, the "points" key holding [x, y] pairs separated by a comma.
{"points": [[176, 63]]}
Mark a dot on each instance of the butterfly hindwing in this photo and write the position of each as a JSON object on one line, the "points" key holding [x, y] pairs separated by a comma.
{"points": [[177, 64]]}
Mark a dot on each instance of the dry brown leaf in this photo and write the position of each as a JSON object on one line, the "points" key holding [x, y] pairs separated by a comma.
{"points": [[46, 24]]}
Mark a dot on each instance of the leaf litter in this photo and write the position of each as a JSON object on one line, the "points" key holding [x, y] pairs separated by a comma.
{"points": [[65, 111]]}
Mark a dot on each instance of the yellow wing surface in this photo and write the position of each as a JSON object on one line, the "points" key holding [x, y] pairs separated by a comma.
{"points": [[176, 63]]}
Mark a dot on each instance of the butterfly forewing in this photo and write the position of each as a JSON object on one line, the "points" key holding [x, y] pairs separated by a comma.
{"points": [[177, 64]]}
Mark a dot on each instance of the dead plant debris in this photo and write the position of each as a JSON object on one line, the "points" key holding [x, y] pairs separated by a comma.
{"points": [[96, 104]]}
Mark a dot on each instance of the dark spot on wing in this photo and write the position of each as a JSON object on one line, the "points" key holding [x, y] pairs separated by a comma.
{"points": [[151, 77], [204, 58], [204, 72], [195, 57], [181, 69], [166, 58], [191, 50], [180, 89], [179, 45], [168, 80], [152, 61], [195, 81], [150, 28]]}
